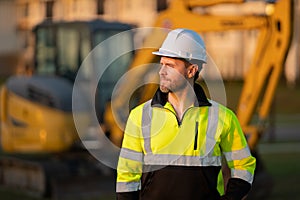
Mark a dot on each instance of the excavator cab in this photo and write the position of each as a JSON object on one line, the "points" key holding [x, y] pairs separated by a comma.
{"points": [[36, 110]]}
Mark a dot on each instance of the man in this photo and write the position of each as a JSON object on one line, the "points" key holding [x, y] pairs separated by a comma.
{"points": [[173, 144]]}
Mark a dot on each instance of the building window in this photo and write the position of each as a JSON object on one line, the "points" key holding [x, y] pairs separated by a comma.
{"points": [[49, 9], [161, 5], [100, 7]]}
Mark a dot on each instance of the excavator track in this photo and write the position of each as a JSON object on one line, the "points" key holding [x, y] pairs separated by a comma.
{"points": [[69, 176], [22, 174]]}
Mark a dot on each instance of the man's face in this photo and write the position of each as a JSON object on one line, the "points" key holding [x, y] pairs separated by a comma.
{"points": [[173, 74]]}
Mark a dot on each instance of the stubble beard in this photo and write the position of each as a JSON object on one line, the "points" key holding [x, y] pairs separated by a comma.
{"points": [[172, 88], [165, 85], [164, 89]]}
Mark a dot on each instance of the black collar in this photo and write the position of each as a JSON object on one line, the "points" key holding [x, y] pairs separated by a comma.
{"points": [[160, 99]]}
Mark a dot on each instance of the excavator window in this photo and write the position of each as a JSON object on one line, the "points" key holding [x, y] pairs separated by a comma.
{"points": [[111, 63], [45, 51], [60, 50]]}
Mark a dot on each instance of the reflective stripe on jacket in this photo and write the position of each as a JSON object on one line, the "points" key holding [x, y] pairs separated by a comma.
{"points": [[154, 139]]}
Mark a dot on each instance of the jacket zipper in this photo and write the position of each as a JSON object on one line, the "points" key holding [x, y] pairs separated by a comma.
{"points": [[196, 136], [179, 122]]}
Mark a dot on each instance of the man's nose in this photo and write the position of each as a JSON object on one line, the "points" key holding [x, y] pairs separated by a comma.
{"points": [[163, 70]]}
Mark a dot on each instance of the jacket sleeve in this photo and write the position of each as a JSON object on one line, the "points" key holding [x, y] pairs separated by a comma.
{"points": [[129, 169], [239, 160]]}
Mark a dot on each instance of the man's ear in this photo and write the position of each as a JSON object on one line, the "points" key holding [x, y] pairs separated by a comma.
{"points": [[192, 71]]}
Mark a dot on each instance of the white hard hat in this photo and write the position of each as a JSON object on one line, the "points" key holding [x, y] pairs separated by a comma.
{"points": [[183, 43]]}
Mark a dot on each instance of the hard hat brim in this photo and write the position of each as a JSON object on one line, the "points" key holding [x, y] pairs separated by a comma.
{"points": [[173, 55], [167, 54]]}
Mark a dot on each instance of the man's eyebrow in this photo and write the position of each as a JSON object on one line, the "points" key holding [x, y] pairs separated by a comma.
{"points": [[168, 63]]}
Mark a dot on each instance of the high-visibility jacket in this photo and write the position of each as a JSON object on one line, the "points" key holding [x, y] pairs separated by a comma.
{"points": [[164, 158]]}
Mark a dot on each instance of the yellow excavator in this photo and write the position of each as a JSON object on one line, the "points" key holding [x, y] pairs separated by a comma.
{"points": [[36, 111]]}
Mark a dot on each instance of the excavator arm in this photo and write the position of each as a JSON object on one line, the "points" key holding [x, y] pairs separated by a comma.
{"points": [[274, 27], [265, 70], [203, 3]]}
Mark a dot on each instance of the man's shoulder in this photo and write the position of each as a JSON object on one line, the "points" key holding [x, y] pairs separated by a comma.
{"points": [[141, 106], [221, 107]]}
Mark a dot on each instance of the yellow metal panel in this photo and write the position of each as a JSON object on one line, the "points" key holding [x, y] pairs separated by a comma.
{"points": [[32, 127]]}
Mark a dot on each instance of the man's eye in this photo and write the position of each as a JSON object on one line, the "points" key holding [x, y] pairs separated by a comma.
{"points": [[167, 65]]}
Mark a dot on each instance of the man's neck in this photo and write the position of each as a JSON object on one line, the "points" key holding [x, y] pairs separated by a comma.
{"points": [[182, 100]]}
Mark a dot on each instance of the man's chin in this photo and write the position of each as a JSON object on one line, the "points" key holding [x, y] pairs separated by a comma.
{"points": [[164, 89]]}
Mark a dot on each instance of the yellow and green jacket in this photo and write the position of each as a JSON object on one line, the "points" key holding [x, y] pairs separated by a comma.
{"points": [[164, 158]]}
